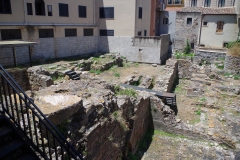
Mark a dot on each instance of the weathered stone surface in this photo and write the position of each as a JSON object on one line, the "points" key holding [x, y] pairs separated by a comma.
{"points": [[232, 64]]}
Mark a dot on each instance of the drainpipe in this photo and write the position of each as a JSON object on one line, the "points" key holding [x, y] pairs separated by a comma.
{"points": [[200, 34], [25, 12], [93, 12]]}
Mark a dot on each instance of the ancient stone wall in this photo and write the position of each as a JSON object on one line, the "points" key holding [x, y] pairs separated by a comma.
{"points": [[186, 31], [20, 76], [210, 54], [232, 64]]}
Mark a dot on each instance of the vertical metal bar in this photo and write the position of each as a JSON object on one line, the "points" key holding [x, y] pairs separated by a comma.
{"points": [[49, 149], [41, 132], [14, 56], [21, 106], [54, 143], [30, 55], [28, 117], [5, 96], [35, 128], [16, 105], [68, 152], [62, 151], [1, 98], [10, 99]]}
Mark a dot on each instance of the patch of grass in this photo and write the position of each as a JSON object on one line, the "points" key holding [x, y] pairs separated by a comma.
{"points": [[219, 66], [123, 57], [194, 121], [236, 77], [167, 134], [136, 64], [95, 58], [55, 78], [127, 92], [95, 71], [198, 111], [203, 99], [117, 74], [234, 48], [179, 89]]}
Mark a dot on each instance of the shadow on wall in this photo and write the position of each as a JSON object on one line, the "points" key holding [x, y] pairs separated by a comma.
{"points": [[103, 14]]}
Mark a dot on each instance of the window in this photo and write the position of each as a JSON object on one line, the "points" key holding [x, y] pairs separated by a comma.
{"points": [[49, 7], [165, 20], [82, 11], [189, 21], [63, 10], [88, 32], [193, 3], [174, 2], [225, 44], [5, 7], [145, 32], [140, 12], [221, 3], [29, 9], [11, 34], [220, 26], [192, 45], [45, 33], [106, 12], [177, 2], [233, 3], [207, 3], [104, 32], [205, 23], [70, 32], [40, 7], [139, 33]]}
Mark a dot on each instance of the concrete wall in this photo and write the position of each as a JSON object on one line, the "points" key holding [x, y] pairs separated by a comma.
{"points": [[170, 27], [147, 41], [230, 30], [124, 46], [186, 32]]}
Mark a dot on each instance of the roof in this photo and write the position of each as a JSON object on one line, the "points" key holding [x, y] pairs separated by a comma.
{"points": [[173, 8], [208, 10], [10, 44]]}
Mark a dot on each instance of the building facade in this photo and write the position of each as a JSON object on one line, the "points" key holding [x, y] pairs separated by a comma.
{"points": [[207, 23], [74, 27]]}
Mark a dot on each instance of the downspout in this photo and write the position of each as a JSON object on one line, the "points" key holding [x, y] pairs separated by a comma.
{"points": [[94, 12], [200, 34], [25, 12]]}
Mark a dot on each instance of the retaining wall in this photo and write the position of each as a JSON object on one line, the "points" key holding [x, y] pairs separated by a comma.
{"points": [[232, 64]]}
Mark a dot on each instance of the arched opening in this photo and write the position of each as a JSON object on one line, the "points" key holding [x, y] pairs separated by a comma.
{"points": [[40, 7]]}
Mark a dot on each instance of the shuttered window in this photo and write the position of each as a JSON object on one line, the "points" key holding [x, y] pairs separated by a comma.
{"points": [[140, 12], [88, 32], [104, 32], [29, 9], [106, 12], [45, 33], [63, 10], [10, 34], [5, 7], [70, 32], [82, 11], [220, 26]]}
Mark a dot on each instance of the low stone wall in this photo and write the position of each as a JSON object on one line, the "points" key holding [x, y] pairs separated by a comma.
{"points": [[147, 41], [232, 64], [20, 76], [210, 55]]}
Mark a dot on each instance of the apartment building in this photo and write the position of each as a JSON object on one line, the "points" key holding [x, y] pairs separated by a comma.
{"points": [[207, 23], [75, 27]]}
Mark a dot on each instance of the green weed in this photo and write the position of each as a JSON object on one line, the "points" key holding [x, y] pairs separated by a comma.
{"points": [[167, 134], [198, 111], [127, 92], [117, 74], [95, 71]]}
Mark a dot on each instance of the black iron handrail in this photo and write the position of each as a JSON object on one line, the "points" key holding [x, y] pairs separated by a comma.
{"points": [[41, 134]]}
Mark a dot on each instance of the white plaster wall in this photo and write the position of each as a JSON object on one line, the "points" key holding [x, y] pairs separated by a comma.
{"points": [[210, 38]]}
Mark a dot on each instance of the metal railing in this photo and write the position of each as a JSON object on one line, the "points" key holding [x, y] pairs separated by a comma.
{"points": [[45, 140]]}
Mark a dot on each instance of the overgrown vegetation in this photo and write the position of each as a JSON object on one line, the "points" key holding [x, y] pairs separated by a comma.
{"points": [[187, 49], [56, 77], [219, 66], [183, 55], [127, 92], [95, 71], [117, 74], [234, 48], [117, 115]]}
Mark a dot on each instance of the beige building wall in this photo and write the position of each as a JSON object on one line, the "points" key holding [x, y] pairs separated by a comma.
{"points": [[214, 3], [124, 14], [210, 38], [144, 23], [18, 17]]}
